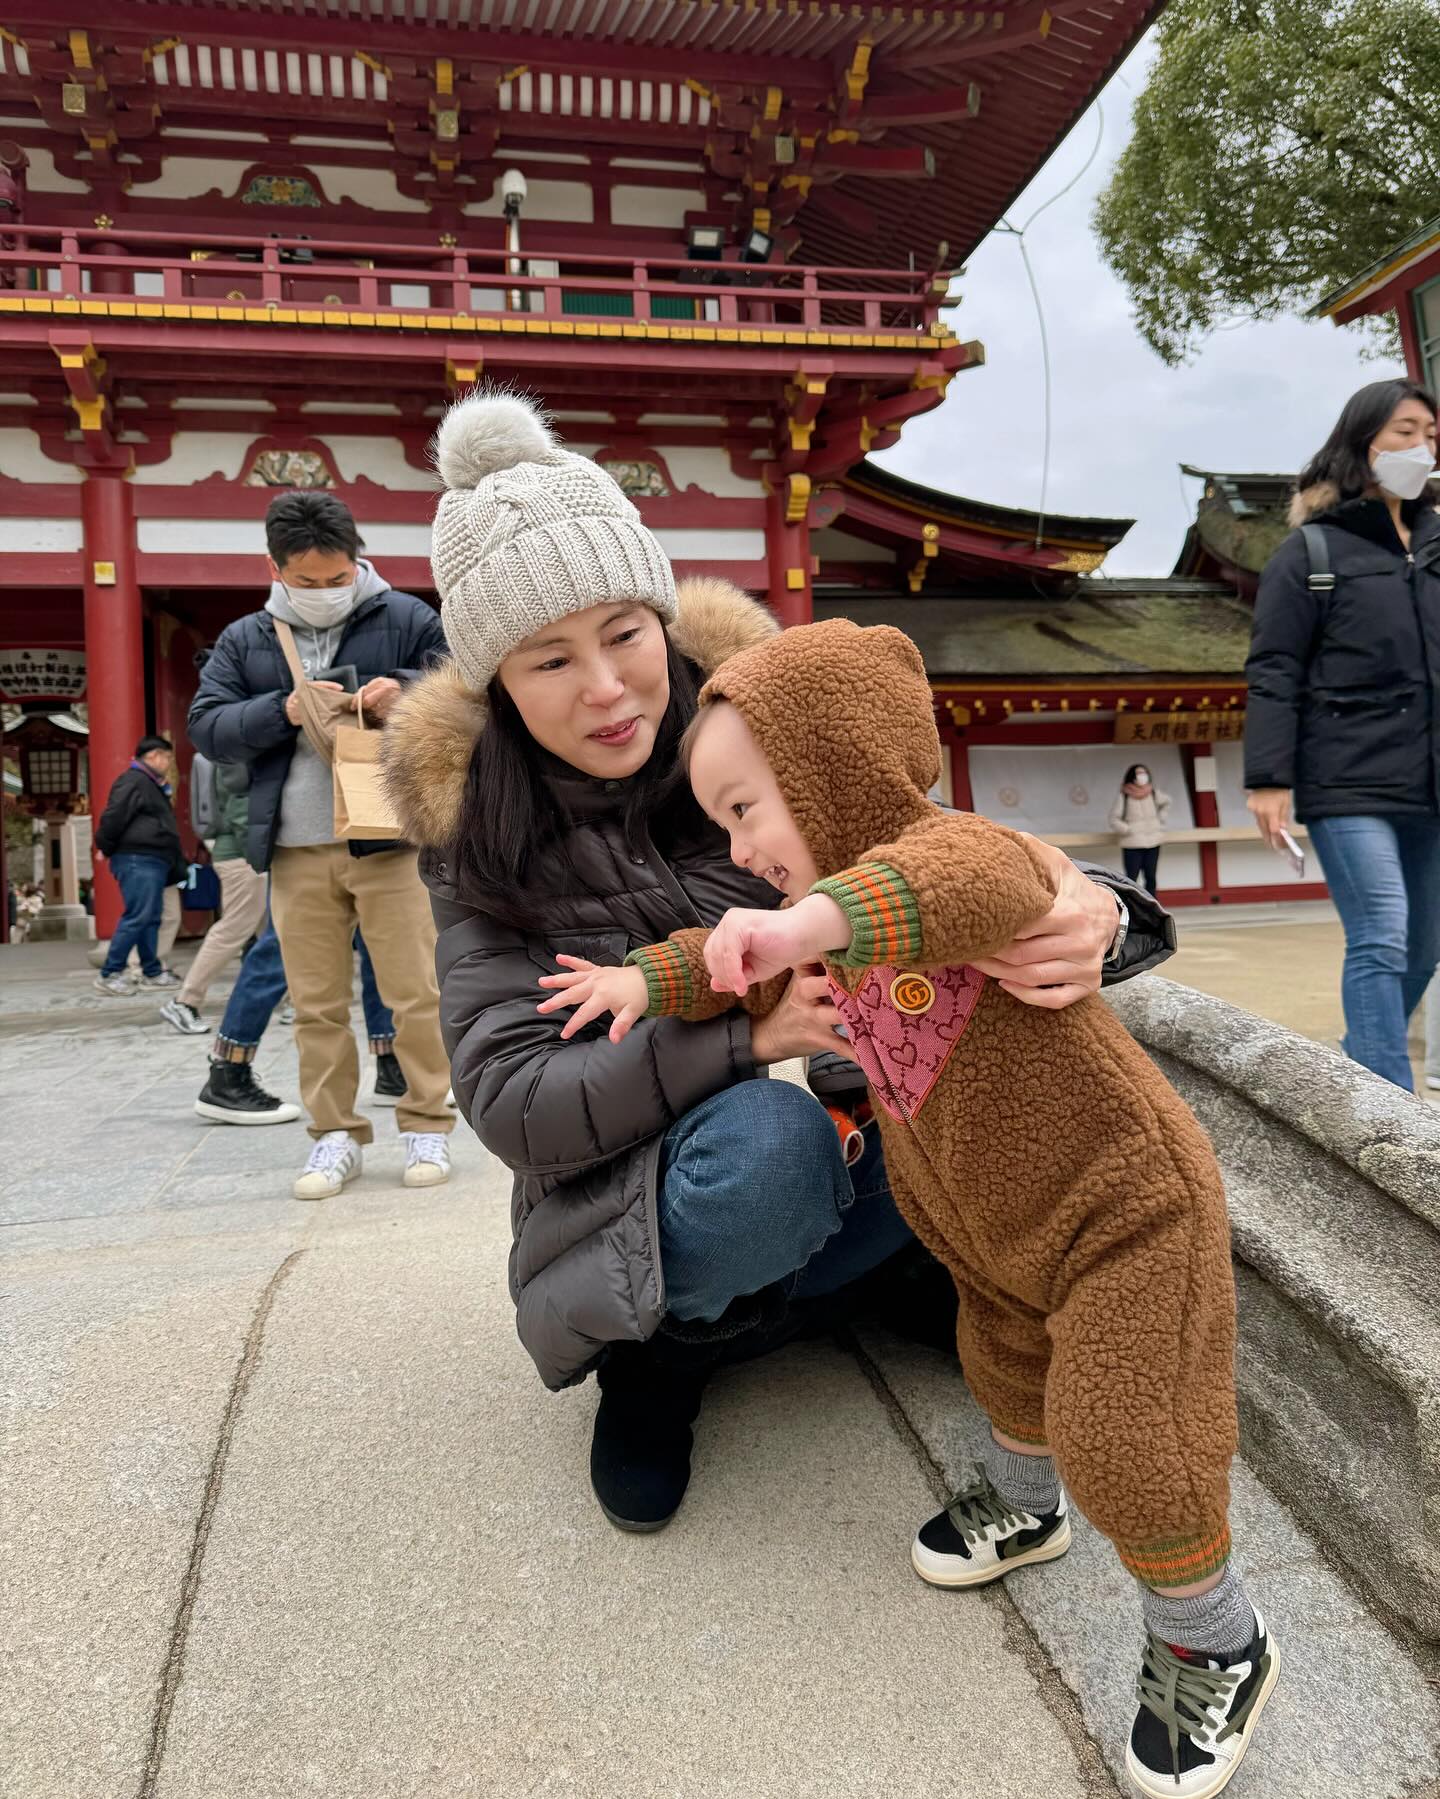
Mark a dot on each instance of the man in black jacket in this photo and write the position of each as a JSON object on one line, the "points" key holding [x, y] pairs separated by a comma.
{"points": [[139, 837], [350, 629]]}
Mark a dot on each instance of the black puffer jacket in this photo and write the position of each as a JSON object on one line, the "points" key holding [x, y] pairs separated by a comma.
{"points": [[139, 820], [581, 1123], [1344, 702], [238, 715]]}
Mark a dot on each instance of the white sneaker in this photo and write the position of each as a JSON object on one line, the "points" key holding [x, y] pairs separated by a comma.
{"points": [[1196, 1716], [427, 1158], [334, 1160], [1432, 1081], [185, 1018], [118, 986], [167, 977], [978, 1538]]}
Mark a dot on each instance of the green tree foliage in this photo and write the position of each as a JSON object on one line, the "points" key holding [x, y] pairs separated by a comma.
{"points": [[1280, 147]]}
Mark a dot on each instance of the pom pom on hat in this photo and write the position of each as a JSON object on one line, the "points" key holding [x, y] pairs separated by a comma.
{"points": [[489, 431]]}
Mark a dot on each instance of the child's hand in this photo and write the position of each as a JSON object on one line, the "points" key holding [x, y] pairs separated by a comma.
{"points": [[748, 947], [594, 991]]}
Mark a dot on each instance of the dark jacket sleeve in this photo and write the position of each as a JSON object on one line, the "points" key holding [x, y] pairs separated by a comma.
{"points": [[546, 1107], [424, 644], [1150, 937], [1282, 643], [227, 722], [119, 809]]}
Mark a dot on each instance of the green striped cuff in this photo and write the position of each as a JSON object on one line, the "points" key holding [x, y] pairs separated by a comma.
{"points": [[882, 912], [667, 978]]}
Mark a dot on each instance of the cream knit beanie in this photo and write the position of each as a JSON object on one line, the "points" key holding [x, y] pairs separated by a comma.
{"points": [[527, 533]]}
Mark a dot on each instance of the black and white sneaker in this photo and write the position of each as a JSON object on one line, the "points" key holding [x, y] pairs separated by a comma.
{"points": [[185, 1018], [232, 1095], [154, 983], [978, 1538], [389, 1080], [1197, 1717]]}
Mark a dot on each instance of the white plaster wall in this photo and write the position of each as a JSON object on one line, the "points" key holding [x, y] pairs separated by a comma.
{"points": [[195, 456], [375, 188], [708, 468], [187, 177], [356, 408], [197, 404], [22, 459], [241, 537], [660, 207], [43, 177], [1051, 789], [567, 202], [380, 459], [678, 418], [55, 535], [712, 546]]}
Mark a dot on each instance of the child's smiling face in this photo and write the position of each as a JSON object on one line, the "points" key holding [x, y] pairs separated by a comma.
{"points": [[737, 788]]}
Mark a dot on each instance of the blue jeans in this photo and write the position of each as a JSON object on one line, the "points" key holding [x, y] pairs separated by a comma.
{"points": [[754, 1190], [1384, 876], [143, 880], [261, 986]]}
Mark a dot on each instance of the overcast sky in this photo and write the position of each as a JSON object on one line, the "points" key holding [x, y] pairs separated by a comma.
{"points": [[1256, 398]]}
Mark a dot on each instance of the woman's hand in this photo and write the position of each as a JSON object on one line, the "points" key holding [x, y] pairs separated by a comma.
{"points": [[595, 991], [749, 946], [1059, 958], [802, 1024], [1271, 806]]}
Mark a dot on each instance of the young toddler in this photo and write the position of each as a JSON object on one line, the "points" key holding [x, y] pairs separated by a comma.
{"points": [[1039, 1154]]}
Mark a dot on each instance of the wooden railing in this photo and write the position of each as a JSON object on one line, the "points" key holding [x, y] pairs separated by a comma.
{"points": [[359, 274]]}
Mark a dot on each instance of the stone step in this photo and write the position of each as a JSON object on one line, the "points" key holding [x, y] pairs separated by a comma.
{"points": [[1333, 1181]]}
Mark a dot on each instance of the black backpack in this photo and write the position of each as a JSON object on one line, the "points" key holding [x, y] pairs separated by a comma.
{"points": [[1317, 554]]}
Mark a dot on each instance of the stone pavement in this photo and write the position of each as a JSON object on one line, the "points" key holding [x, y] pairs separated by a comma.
{"points": [[285, 1511]]}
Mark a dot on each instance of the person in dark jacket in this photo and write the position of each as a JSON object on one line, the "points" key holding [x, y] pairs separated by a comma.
{"points": [[1343, 719], [540, 771], [139, 837], [347, 624]]}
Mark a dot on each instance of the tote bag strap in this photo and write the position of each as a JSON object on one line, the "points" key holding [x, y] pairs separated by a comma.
{"points": [[317, 715]]}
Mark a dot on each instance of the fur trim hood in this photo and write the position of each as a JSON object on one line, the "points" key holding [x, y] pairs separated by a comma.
{"points": [[431, 734], [1310, 502]]}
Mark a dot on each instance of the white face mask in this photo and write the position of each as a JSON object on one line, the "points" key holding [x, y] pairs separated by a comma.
{"points": [[1403, 472], [321, 607]]}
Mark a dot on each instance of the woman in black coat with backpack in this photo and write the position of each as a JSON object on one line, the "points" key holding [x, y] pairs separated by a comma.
{"points": [[1343, 722]]}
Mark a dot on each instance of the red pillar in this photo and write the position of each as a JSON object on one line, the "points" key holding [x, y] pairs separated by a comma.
{"points": [[787, 552], [114, 654]]}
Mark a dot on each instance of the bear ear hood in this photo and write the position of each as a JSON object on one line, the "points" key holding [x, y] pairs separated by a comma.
{"points": [[844, 716], [432, 730]]}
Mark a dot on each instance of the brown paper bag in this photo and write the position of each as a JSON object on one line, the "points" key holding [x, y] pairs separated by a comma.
{"points": [[321, 708], [363, 812]]}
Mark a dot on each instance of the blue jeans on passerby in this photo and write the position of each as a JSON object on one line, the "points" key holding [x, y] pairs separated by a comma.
{"points": [[260, 987], [1384, 876], [754, 1190], [143, 880]]}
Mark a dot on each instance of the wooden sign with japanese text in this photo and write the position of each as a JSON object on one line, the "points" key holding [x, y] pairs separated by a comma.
{"points": [[1180, 727]]}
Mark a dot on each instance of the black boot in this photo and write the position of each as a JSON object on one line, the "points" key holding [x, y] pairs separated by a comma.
{"points": [[640, 1450], [232, 1095]]}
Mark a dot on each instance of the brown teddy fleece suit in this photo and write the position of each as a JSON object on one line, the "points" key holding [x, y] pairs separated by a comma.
{"points": [[1039, 1155]]}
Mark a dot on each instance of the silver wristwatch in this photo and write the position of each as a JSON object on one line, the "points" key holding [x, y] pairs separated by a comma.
{"points": [[1122, 930]]}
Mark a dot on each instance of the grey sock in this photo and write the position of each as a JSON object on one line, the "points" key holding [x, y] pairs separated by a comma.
{"points": [[1026, 1481], [1220, 1622]]}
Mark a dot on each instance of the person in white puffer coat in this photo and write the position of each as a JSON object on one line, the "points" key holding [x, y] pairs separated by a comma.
{"points": [[1138, 819]]}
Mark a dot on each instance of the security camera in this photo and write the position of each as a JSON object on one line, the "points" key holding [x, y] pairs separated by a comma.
{"points": [[513, 191]]}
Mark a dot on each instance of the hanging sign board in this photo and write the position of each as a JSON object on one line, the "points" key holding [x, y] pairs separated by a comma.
{"points": [[36, 674], [1180, 727]]}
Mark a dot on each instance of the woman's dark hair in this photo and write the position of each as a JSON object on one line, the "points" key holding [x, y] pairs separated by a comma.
{"points": [[1132, 771], [510, 817], [297, 522], [1344, 457]]}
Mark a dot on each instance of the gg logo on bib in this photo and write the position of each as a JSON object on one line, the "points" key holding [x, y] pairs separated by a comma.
{"points": [[911, 994]]}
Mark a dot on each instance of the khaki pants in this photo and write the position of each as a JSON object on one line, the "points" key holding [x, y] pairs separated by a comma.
{"points": [[242, 906], [317, 897], [169, 929]]}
